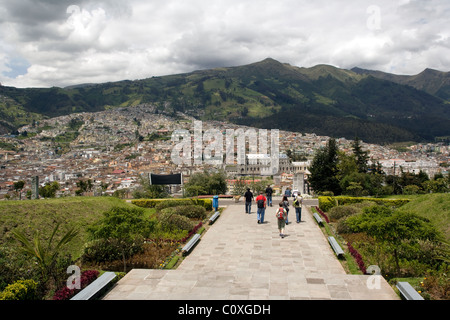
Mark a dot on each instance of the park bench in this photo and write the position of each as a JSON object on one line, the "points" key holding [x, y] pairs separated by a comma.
{"points": [[188, 246], [214, 217], [408, 292], [318, 218], [336, 247], [95, 288]]}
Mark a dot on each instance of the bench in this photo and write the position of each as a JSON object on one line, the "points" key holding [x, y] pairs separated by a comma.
{"points": [[336, 247], [408, 292], [214, 217], [188, 247], [318, 218], [95, 288]]}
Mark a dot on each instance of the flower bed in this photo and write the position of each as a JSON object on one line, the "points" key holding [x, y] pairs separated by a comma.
{"points": [[323, 214], [358, 258], [87, 277], [193, 231]]}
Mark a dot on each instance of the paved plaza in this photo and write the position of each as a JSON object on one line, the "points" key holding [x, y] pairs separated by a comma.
{"points": [[239, 259]]}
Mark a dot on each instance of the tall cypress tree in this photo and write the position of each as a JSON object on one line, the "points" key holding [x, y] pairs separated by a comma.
{"points": [[324, 169], [361, 156]]}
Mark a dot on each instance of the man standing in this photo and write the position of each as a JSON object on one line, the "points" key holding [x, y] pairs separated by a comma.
{"points": [[269, 192], [261, 203], [248, 200]]}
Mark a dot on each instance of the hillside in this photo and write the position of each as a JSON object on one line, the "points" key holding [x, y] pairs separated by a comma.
{"points": [[323, 99], [43, 215], [434, 82], [435, 207]]}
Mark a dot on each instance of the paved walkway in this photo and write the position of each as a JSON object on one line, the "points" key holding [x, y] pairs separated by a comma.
{"points": [[238, 259]]}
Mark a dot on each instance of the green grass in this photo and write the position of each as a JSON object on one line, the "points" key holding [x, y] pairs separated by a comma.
{"points": [[435, 207], [43, 215]]}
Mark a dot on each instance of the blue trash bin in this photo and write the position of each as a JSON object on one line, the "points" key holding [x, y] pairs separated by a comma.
{"points": [[216, 203]]}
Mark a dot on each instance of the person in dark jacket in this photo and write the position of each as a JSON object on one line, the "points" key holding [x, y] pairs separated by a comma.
{"points": [[248, 200], [269, 193]]}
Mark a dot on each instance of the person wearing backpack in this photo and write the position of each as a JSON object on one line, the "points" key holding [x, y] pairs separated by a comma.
{"points": [[298, 202], [285, 202], [261, 204], [281, 219]]}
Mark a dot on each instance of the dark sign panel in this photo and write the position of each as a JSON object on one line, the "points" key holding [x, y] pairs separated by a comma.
{"points": [[156, 179]]}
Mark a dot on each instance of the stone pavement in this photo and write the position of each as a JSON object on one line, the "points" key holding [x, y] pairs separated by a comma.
{"points": [[238, 259]]}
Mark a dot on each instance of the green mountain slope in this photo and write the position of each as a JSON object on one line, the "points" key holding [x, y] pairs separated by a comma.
{"points": [[431, 81], [269, 94]]}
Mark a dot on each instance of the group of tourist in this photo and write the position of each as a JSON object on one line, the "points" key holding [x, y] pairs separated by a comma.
{"points": [[264, 199]]}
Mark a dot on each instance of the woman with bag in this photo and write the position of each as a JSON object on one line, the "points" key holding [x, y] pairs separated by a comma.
{"points": [[281, 219], [285, 202]]}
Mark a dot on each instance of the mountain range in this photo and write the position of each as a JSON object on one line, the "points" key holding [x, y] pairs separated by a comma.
{"points": [[376, 107]]}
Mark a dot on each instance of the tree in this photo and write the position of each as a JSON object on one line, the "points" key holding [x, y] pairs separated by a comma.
{"points": [[124, 225], [84, 186], [18, 186], [361, 156], [391, 229], [49, 190], [206, 183], [239, 186], [148, 191], [324, 169]]}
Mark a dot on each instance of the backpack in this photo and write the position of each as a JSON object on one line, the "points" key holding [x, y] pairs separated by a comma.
{"points": [[280, 213], [260, 203]]}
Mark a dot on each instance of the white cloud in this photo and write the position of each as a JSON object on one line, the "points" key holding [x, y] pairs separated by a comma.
{"points": [[77, 41]]}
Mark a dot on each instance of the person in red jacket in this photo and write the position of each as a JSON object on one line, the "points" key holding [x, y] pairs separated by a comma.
{"points": [[261, 204]]}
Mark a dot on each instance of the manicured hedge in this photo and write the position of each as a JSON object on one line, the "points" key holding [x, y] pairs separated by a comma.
{"points": [[326, 203], [152, 203], [387, 202]]}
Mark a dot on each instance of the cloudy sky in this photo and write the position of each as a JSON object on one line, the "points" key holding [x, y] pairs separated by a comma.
{"points": [[47, 43]]}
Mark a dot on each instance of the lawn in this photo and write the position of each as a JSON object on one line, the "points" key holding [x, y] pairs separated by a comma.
{"points": [[435, 207], [43, 215]]}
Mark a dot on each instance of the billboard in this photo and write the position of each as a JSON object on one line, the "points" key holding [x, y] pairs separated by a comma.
{"points": [[157, 179]]}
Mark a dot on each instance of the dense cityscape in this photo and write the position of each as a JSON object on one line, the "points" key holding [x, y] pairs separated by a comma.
{"points": [[114, 147]]}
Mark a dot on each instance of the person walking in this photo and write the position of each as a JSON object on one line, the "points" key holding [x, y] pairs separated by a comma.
{"points": [[248, 200], [281, 219], [288, 192], [297, 204], [269, 192], [285, 202], [261, 204]]}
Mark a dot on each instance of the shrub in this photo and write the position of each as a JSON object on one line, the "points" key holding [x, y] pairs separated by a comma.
{"points": [[172, 203], [108, 250], [165, 203], [387, 202], [190, 211], [342, 227], [326, 203], [340, 212], [20, 290], [170, 221], [411, 189]]}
